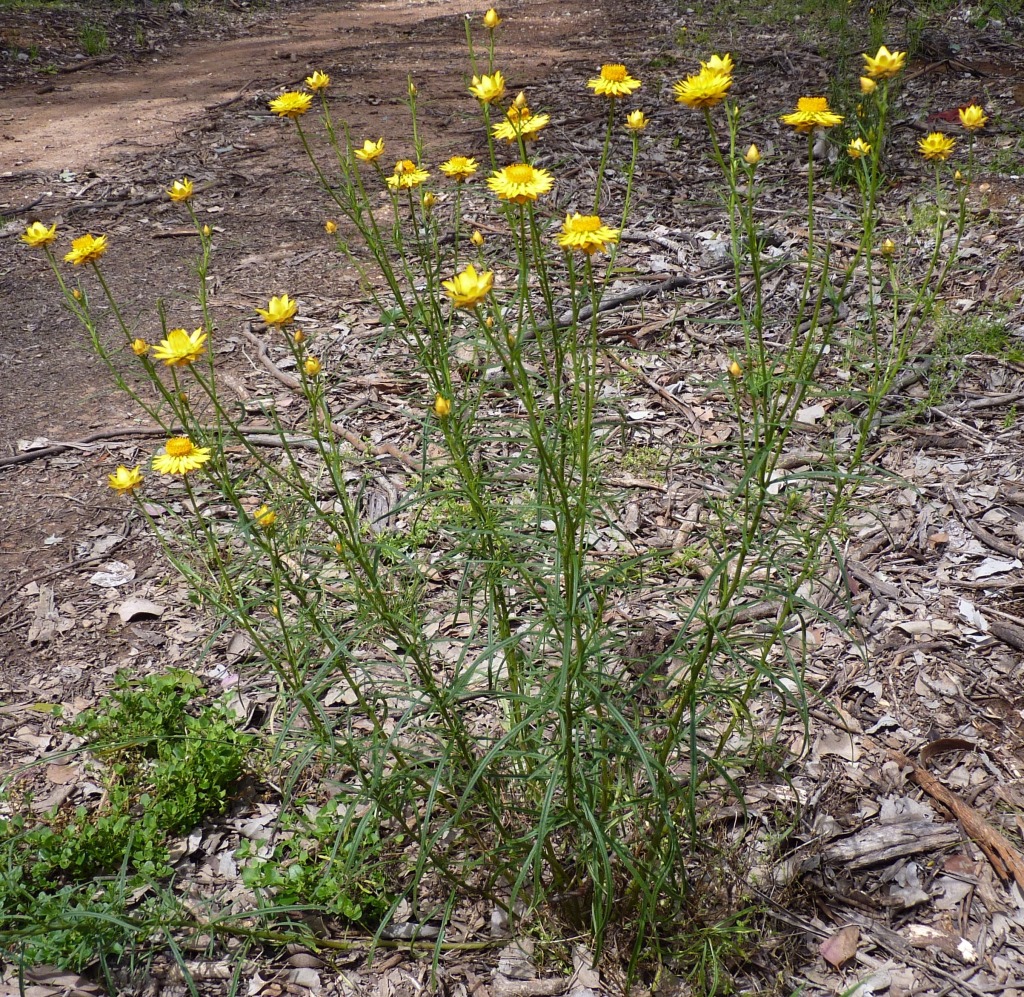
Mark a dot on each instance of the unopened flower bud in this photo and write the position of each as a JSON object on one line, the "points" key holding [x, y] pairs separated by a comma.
{"points": [[429, 200], [752, 156], [888, 248], [207, 231], [140, 347], [491, 19], [76, 294], [735, 370], [330, 226], [477, 238], [311, 366], [298, 336], [442, 407], [867, 85]]}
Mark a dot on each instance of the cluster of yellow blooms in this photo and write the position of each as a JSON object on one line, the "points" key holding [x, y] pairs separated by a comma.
{"points": [[518, 183]]}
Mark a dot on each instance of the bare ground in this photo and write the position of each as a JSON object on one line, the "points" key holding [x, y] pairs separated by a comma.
{"points": [[935, 568]]}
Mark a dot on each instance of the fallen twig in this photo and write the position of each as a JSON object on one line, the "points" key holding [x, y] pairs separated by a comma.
{"points": [[1005, 859]]}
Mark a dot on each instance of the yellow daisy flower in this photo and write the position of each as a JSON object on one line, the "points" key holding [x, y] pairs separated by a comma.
{"points": [[292, 104], [614, 81], [181, 190], [884, 65], [86, 249], [140, 347], [469, 288], [180, 348], [406, 176], [706, 89], [520, 183], [265, 516], [37, 234], [371, 150], [125, 479], [936, 146], [180, 456], [280, 311], [973, 117], [459, 168], [519, 121], [318, 81], [587, 234], [719, 64], [488, 89], [637, 121], [811, 113], [491, 19], [858, 148], [442, 407]]}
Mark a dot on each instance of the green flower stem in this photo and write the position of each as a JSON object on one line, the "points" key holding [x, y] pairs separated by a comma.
{"points": [[604, 153]]}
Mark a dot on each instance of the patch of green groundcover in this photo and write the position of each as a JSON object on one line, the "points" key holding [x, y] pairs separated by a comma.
{"points": [[83, 883]]}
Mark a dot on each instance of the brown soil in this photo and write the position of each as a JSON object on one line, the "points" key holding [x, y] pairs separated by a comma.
{"points": [[92, 147]]}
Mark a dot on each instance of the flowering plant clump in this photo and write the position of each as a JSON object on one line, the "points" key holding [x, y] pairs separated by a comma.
{"points": [[445, 607]]}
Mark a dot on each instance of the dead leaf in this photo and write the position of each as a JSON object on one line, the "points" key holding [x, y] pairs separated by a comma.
{"points": [[842, 946], [133, 609]]}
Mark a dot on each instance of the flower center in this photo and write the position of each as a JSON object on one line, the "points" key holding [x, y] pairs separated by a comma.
{"points": [[588, 223], [179, 446], [519, 173], [614, 73], [812, 104], [405, 166]]}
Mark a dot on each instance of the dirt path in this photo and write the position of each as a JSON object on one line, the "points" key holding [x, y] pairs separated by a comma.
{"points": [[102, 115]]}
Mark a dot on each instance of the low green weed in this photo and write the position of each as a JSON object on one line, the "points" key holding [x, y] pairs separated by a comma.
{"points": [[93, 39], [67, 878]]}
